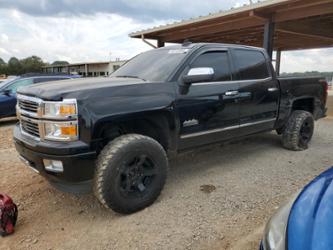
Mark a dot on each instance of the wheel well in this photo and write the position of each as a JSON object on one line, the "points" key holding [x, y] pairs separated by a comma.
{"points": [[155, 126], [306, 104]]}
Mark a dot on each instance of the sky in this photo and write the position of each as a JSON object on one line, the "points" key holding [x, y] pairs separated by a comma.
{"points": [[97, 30]]}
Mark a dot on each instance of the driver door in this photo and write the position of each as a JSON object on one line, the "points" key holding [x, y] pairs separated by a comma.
{"points": [[209, 112]]}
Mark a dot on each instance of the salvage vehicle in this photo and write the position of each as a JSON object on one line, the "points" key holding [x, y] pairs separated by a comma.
{"points": [[305, 221], [9, 87], [115, 134]]}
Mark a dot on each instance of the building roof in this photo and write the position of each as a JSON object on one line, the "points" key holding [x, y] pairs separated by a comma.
{"points": [[299, 24]]}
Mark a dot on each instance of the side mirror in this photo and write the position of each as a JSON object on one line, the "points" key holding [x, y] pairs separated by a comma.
{"points": [[196, 75], [6, 92]]}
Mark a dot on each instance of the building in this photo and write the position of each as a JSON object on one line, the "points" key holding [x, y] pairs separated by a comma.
{"points": [[87, 69]]}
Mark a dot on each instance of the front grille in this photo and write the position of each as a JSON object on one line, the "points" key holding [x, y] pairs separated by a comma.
{"points": [[30, 127], [29, 106]]}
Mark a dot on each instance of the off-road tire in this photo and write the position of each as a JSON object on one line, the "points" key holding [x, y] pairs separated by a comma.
{"points": [[108, 172], [292, 138]]}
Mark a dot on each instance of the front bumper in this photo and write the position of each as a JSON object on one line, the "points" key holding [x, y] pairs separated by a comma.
{"points": [[78, 161]]}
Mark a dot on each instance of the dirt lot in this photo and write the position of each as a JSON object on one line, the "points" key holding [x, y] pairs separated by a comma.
{"points": [[245, 181]]}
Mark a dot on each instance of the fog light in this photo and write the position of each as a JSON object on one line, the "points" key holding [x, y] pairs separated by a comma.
{"points": [[53, 166]]}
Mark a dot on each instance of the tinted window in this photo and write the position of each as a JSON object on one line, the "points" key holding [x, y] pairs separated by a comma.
{"points": [[19, 83], [251, 64], [218, 60], [153, 65]]}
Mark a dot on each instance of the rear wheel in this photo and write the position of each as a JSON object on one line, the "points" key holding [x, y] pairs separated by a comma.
{"points": [[130, 174], [299, 130]]}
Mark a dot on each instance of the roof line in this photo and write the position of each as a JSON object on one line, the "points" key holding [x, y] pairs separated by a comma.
{"points": [[83, 63], [231, 11]]}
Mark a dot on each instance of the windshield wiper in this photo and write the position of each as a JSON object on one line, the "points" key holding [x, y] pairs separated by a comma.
{"points": [[132, 77]]}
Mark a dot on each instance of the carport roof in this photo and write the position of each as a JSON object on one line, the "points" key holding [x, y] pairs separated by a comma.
{"points": [[299, 24]]}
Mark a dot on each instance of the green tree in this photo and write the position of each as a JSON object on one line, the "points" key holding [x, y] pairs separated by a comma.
{"points": [[60, 63], [3, 67], [32, 64], [14, 67]]}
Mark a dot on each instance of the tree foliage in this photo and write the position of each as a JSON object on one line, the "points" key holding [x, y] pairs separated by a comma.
{"points": [[60, 63], [32, 64]]}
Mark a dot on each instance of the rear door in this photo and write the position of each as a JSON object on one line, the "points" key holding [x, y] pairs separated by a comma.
{"points": [[209, 112], [258, 91]]}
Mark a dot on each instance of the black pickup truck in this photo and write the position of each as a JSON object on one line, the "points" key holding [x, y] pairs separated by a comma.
{"points": [[115, 134]]}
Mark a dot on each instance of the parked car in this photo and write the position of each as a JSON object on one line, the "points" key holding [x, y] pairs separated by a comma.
{"points": [[9, 87], [305, 222], [115, 133]]}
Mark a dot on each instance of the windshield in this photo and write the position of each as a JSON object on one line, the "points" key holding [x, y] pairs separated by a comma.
{"points": [[4, 83], [153, 65]]}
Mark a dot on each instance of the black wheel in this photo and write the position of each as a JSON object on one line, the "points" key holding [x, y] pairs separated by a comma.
{"points": [[130, 174], [299, 130]]}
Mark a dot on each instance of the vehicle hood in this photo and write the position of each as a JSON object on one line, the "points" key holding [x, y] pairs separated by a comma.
{"points": [[310, 224], [72, 88]]}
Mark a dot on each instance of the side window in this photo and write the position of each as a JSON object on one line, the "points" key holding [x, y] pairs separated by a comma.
{"points": [[19, 83], [218, 60], [251, 64]]}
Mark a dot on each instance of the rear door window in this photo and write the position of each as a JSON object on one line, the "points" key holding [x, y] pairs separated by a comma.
{"points": [[251, 64]]}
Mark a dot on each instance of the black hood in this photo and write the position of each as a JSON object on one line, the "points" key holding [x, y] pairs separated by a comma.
{"points": [[72, 88]]}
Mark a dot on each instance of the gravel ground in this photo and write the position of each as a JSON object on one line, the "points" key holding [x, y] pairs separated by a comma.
{"points": [[217, 197]]}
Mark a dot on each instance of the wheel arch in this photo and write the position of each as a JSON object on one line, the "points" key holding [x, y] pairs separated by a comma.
{"points": [[304, 103], [159, 125]]}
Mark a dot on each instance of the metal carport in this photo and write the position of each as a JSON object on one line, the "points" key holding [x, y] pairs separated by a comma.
{"points": [[273, 24]]}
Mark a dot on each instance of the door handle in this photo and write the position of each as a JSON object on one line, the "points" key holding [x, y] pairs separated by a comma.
{"points": [[272, 89], [231, 93]]}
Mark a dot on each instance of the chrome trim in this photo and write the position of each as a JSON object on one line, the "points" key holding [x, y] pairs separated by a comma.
{"points": [[272, 89], [26, 133], [29, 98], [39, 118], [41, 108], [234, 81], [51, 138], [257, 122], [208, 132], [64, 101], [225, 129], [41, 128], [231, 93]]}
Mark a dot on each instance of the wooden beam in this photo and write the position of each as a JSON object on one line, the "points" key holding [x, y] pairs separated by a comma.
{"points": [[305, 35], [259, 16], [303, 12]]}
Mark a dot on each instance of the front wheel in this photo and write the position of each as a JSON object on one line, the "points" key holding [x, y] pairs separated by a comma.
{"points": [[130, 174], [299, 130]]}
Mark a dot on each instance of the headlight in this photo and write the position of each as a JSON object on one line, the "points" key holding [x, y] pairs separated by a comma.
{"points": [[61, 131], [275, 230], [60, 110]]}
